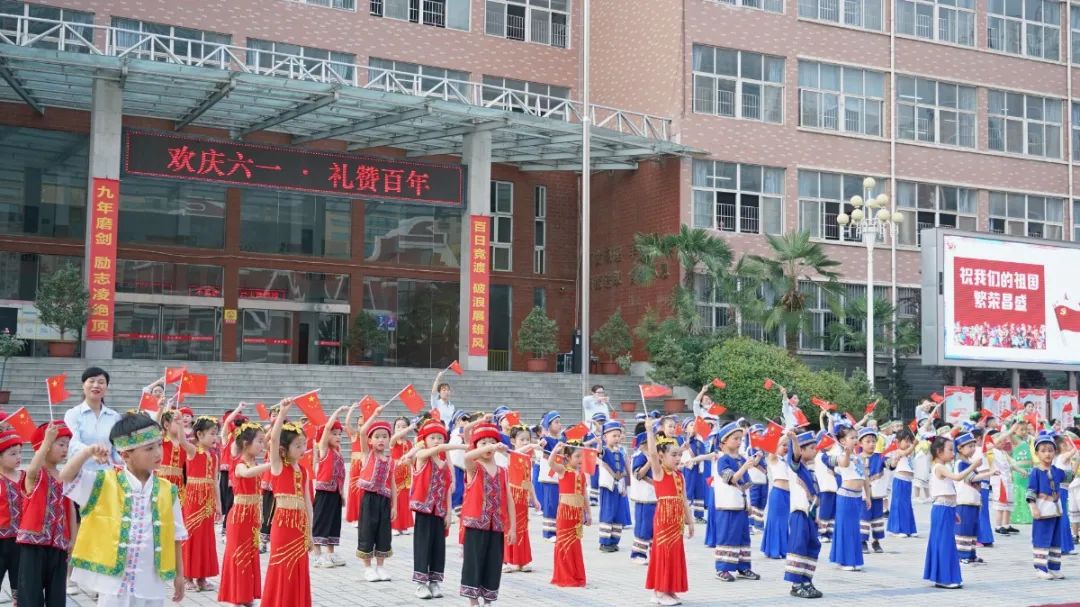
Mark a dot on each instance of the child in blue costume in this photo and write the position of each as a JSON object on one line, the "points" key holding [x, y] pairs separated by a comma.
{"points": [[1043, 495], [643, 495], [872, 521], [901, 513], [803, 545], [547, 486], [613, 473], [942, 563], [728, 529]]}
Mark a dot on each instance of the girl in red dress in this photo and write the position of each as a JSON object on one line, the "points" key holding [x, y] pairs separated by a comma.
{"points": [[518, 555], [329, 493], [399, 446], [202, 506], [173, 450], [353, 494], [288, 579], [667, 558], [486, 516], [573, 512], [241, 579]]}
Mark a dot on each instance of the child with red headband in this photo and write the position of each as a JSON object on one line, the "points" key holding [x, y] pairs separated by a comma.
{"points": [[329, 493], [377, 508], [11, 498], [45, 530], [487, 516], [399, 446], [430, 501]]}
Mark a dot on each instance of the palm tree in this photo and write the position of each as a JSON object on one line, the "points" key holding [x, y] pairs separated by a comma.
{"points": [[694, 249], [778, 277], [848, 330]]}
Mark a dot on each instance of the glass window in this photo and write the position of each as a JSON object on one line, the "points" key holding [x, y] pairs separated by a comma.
{"points": [[502, 225], [310, 287], [416, 235], [537, 98], [864, 14], [1075, 123], [822, 196], [540, 229], [738, 84], [300, 62], [935, 112], [165, 278], [1025, 27], [772, 6], [420, 319], [290, 223], [20, 273], [1024, 124], [926, 205], [43, 183], [169, 43], [348, 5], [839, 98], [1074, 32], [453, 14], [539, 298], [21, 22], [1027, 215], [416, 79], [172, 213], [954, 19], [1076, 220], [542, 21], [732, 197]]}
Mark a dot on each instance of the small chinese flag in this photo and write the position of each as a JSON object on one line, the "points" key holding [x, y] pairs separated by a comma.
{"points": [[513, 418], [22, 423], [1007, 415], [717, 410], [1076, 443], [559, 460], [148, 402], [956, 414], [937, 398], [413, 401], [578, 432], [702, 428], [800, 418], [768, 440], [1016, 404], [893, 446], [653, 391], [368, 405], [55, 387], [311, 407], [718, 383], [264, 415], [914, 425], [870, 407], [456, 368], [985, 413], [824, 404], [588, 461], [826, 443], [614, 414], [311, 431], [769, 384], [519, 468], [1032, 420], [193, 384], [1067, 408], [174, 374], [678, 430]]}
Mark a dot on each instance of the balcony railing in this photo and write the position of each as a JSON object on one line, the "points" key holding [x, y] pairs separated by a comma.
{"points": [[117, 42]]}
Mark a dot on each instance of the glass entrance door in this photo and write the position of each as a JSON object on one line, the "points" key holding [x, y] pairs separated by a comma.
{"points": [[328, 339], [267, 336], [170, 332]]}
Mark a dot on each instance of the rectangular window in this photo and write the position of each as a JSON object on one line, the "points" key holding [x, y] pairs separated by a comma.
{"points": [[1074, 32], [169, 43], [347, 5], [300, 62], [864, 14], [502, 225], [416, 79], [38, 24], [312, 287], [172, 213], [1024, 124], [165, 278], [732, 197], [1025, 27], [942, 20], [536, 98], [539, 298], [771, 6], [822, 196], [838, 98], [935, 112], [926, 206], [821, 316], [713, 307], [1076, 220], [43, 182], [1075, 123], [738, 84], [412, 234], [540, 21], [288, 223], [540, 230], [1027, 215], [453, 14], [21, 273]]}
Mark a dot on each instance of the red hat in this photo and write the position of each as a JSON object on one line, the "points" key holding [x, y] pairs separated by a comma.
{"points": [[483, 431], [187, 411], [8, 439], [335, 426], [39, 434], [380, 425], [432, 427]]}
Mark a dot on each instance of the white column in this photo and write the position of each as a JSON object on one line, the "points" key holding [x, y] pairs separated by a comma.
{"points": [[105, 125], [476, 155]]}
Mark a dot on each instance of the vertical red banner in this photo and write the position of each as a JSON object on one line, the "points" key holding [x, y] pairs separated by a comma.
{"points": [[479, 268], [101, 269]]}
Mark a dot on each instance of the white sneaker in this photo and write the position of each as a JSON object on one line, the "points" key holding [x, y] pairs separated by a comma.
{"points": [[1043, 575], [383, 575], [73, 589], [436, 591], [525, 568], [322, 562], [371, 575], [1057, 575], [336, 561], [669, 601], [423, 592], [551, 539], [508, 568]]}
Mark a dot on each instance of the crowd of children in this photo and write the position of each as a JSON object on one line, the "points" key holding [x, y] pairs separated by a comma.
{"points": [[144, 532]]}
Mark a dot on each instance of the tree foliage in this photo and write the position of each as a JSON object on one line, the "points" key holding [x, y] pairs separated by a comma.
{"points": [[62, 300], [537, 333]]}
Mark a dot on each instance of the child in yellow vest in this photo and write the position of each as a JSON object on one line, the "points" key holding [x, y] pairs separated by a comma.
{"points": [[133, 565]]}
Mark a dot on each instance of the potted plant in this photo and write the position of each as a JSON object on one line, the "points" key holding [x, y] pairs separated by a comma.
{"points": [[628, 406], [612, 339], [9, 346], [62, 303], [536, 337], [624, 361], [365, 338]]}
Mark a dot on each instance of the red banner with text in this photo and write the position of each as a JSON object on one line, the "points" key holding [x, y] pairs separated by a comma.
{"points": [[104, 213], [479, 267], [1000, 303]]}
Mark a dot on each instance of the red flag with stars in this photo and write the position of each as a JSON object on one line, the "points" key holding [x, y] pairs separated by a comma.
{"points": [[193, 384], [413, 401], [174, 374], [578, 432], [937, 398], [649, 391], [519, 469], [148, 402], [311, 406], [914, 425], [21, 422], [826, 443], [260, 408], [513, 418], [368, 405], [768, 440], [870, 407], [718, 383], [55, 387], [717, 410], [588, 461], [800, 418], [702, 428], [1068, 317], [456, 368], [769, 384]]}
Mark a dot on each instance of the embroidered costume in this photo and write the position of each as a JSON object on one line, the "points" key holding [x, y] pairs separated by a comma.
{"points": [[241, 575], [667, 564], [200, 507], [288, 577], [569, 565]]}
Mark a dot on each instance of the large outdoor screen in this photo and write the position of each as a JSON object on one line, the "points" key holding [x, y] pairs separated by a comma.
{"points": [[1000, 301]]}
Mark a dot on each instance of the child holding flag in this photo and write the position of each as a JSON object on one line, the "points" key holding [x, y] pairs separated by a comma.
{"points": [[399, 446], [11, 505], [486, 514], [614, 506], [548, 486], [728, 529], [517, 556], [573, 512], [288, 577], [47, 523], [803, 544], [667, 566], [377, 508], [643, 495], [430, 500], [329, 493]]}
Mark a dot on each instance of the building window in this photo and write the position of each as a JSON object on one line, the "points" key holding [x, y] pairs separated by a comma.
{"points": [[539, 298], [191, 46], [864, 14], [22, 273], [827, 92], [347, 5], [1074, 26], [733, 197], [540, 230], [713, 306], [44, 33], [1076, 220], [300, 62], [541, 21], [502, 225], [738, 84], [166, 278], [43, 182], [536, 98], [934, 206], [172, 213], [1027, 215], [416, 79], [908, 301], [293, 285], [1024, 124], [453, 14], [289, 223], [771, 6], [822, 196], [412, 234], [1025, 27], [942, 20], [935, 112], [821, 316], [1075, 122]]}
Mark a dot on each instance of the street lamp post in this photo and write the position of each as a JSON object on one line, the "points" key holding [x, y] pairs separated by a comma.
{"points": [[875, 220]]}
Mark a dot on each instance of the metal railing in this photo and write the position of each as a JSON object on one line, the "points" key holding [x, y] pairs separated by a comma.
{"points": [[117, 42]]}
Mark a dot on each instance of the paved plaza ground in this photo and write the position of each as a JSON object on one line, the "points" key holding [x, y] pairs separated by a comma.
{"points": [[1006, 579]]}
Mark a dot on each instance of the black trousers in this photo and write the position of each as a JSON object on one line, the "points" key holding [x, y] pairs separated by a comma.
{"points": [[267, 514], [374, 527], [429, 548], [42, 576], [481, 569], [9, 562], [226, 497], [326, 529]]}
